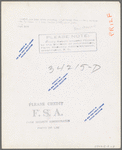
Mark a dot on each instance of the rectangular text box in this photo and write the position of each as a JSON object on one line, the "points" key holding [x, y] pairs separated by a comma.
{"points": [[75, 42]]}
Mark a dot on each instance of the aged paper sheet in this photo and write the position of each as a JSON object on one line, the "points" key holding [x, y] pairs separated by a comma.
{"points": [[61, 75]]}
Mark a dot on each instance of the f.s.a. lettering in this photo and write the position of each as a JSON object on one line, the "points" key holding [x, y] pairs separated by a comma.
{"points": [[46, 113]]}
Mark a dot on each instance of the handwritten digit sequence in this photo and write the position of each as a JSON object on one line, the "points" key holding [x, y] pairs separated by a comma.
{"points": [[82, 67]]}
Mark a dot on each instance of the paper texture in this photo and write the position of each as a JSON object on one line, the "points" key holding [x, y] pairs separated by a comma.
{"points": [[61, 75]]}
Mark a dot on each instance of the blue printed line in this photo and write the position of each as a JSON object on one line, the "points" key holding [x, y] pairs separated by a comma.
{"points": [[88, 117], [93, 114], [50, 88], [60, 83], [91, 117], [22, 50], [56, 80], [22, 47], [65, 75], [31, 41], [55, 87], [92, 110], [98, 111], [55, 83], [27, 50], [101, 105], [29, 47]]}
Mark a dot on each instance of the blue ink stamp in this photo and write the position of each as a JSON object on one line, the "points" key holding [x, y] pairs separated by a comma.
{"points": [[58, 82], [94, 112], [25, 49]]}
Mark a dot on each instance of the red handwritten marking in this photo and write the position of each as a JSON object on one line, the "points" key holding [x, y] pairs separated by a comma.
{"points": [[108, 15], [111, 27], [111, 20], [111, 34]]}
